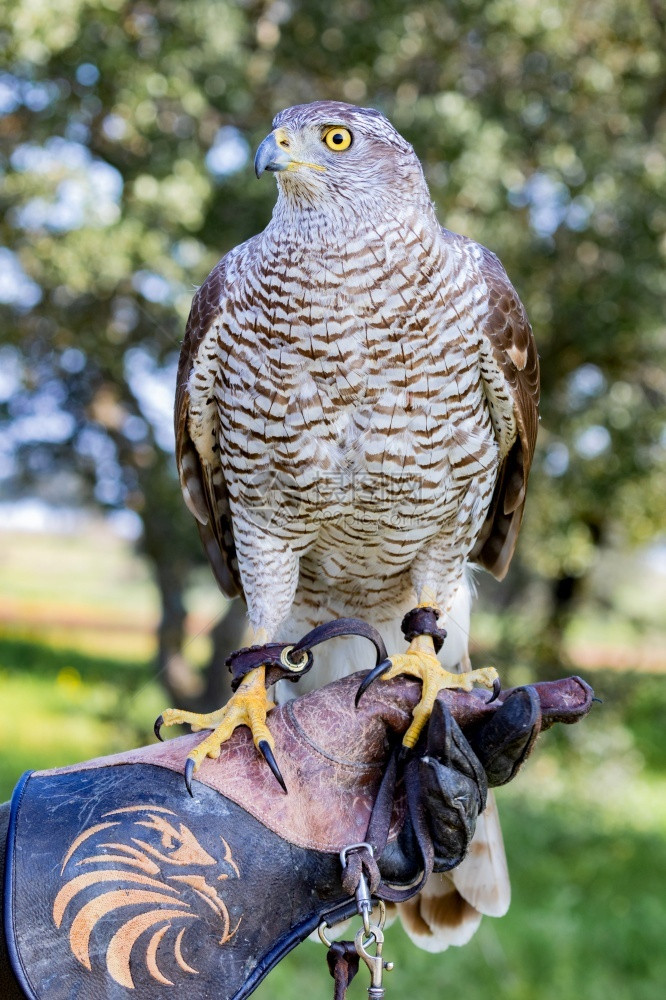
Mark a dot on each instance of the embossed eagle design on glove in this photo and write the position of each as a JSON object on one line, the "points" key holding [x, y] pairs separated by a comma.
{"points": [[143, 867]]}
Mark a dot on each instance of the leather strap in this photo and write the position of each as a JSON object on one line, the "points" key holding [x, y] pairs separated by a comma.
{"points": [[363, 862], [417, 816], [342, 957], [423, 621], [380, 817], [343, 960], [299, 657]]}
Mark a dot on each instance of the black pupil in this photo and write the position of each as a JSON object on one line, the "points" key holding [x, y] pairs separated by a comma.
{"points": [[338, 138]]}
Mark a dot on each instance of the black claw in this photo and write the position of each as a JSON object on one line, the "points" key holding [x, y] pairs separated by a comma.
{"points": [[264, 747], [600, 700], [497, 687], [376, 672], [159, 722], [189, 771]]}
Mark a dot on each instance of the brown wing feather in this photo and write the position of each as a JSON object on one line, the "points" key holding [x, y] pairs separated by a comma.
{"points": [[509, 333], [203, 488]]}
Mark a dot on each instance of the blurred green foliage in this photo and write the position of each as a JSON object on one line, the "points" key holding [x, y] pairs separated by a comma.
{"points": [[61, 706], [586, 921], [126, 140]]}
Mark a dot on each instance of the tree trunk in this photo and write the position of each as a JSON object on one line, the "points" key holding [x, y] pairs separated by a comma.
{"points": [[182, 683], [227, 635], [551, 657], [189, 689]]}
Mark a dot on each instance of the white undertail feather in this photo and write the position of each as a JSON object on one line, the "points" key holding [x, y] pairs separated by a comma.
{"points": [[449, 908], [483, 877], [439, 916]]}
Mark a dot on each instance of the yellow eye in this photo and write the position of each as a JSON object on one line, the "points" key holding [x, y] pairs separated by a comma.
{"points": [[338, 138]]}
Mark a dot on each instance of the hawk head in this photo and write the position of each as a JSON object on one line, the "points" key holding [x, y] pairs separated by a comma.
{"points": [[140, 870], [328, 151]]}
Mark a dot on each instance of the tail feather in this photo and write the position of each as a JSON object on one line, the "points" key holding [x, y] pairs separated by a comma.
{"points": [[439, 916], [482, 878]]}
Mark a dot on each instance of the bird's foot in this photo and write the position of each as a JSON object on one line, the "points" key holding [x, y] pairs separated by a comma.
{"points": [[420, 661], [249, 707]]}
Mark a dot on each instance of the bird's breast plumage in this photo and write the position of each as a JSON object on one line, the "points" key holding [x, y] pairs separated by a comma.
{"points": [[342, 384]]}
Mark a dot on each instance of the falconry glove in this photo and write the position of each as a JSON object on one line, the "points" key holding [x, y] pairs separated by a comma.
{"points": [[119, 884]]}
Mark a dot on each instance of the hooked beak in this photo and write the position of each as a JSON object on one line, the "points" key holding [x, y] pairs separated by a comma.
{"points": [[271, 155]]}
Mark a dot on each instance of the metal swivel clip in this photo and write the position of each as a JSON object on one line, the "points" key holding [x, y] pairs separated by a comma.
{"points": [[370, 932], [375, 963]]}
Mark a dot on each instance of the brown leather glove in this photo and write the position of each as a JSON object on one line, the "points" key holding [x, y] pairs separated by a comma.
{"points": [[86, 840]]}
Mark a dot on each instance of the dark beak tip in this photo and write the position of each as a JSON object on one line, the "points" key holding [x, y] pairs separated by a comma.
{"points": [[270, 156]]}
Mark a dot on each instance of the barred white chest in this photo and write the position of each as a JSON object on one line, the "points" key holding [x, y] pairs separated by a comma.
{"points": [[343, 390]]}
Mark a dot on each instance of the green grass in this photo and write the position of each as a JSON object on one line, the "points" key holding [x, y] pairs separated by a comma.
{"points": [[61, 706], [90, 591], [584, 826], [91, 571]]}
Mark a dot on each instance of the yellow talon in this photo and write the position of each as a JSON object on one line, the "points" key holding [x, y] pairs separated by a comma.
{"points": [[420, 661], [248, 706]]}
